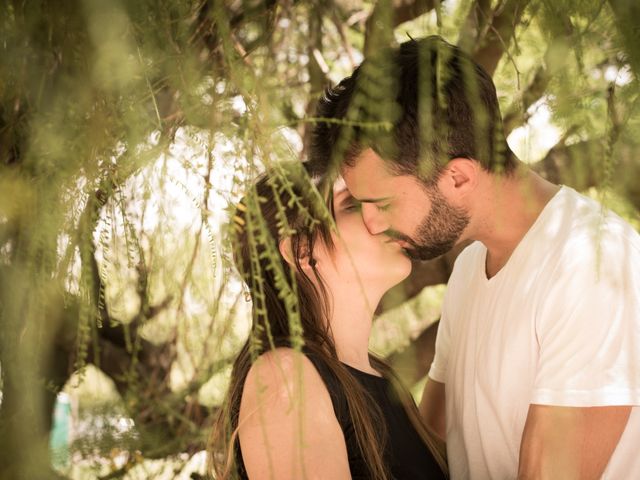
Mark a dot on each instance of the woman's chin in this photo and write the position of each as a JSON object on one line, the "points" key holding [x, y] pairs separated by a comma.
{"points": [[405, 266], [397, 272]]}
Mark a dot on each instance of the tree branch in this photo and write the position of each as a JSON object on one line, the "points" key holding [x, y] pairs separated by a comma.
{"points": [[555, 59], [407, 10], [581, 166], [500, 32], [387, 15], [474, 25], [413, 362], [517, 114]]}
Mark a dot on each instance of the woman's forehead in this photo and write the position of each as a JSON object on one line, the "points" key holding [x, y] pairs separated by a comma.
{"points": [[339, 186]]}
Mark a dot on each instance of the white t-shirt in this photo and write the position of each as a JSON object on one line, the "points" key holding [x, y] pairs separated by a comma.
{"points": [[559, 324]]}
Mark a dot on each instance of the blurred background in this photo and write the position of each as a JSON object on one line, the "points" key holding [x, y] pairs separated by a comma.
{"points": [[128, 130]]}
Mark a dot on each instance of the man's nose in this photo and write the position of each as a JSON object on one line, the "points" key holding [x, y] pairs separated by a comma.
{"points": [[374, 220]]}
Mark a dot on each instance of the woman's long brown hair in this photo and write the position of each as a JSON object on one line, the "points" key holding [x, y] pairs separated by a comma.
{"points": [[289, 310]]}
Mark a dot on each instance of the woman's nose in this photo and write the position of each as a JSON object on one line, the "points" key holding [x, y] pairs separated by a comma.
{"points": [[374, 220]]}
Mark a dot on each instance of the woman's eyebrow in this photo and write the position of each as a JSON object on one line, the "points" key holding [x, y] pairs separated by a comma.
{"points": [[342, 193], [346, 197]]}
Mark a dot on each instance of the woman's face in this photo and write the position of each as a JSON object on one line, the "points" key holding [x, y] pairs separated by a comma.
{"points": [[358, 256]]}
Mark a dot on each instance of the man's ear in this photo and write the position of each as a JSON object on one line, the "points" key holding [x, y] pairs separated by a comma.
{"points": [[287, 253], [460, 176]]}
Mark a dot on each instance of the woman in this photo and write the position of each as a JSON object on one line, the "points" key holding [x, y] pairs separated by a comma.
{"points": [[307, 399]]}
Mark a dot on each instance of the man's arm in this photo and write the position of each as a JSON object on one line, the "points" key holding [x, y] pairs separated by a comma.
{"points": [[570, 442], [432, 407]]}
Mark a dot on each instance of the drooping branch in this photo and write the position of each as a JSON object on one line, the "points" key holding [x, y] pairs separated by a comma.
{"points": [[499, 33], [627, 13], [317, 69], [554, 60], [139, 368], [205, 31], [517, 113], [562, 33], [474, 25]]}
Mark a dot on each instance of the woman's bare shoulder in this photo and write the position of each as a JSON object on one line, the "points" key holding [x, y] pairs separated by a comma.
{"points": [[279, 373], [287, 424]]}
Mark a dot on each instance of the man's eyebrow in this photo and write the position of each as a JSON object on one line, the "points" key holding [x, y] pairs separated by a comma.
{"points": [[372, 200]]}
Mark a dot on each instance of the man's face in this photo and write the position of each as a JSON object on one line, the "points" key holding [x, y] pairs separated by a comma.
{"points": [[421, 219]]}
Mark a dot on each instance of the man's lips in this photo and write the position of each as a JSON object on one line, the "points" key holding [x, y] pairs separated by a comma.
{"points": [[400, 243]]}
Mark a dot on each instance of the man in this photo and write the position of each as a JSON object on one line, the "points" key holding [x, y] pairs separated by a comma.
{"points": [[537, 365]]}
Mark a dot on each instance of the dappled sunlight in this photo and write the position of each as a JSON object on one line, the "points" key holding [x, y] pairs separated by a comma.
{"points": [[130, 132]]}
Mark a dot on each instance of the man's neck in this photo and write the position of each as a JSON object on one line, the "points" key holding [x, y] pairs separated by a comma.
{"points": [[511, 207]]}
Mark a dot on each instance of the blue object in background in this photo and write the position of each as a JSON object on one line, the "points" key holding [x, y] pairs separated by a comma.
{"points": [[60, 438]]}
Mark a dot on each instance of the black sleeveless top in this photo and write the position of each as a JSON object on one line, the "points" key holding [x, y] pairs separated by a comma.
{"points": [[405, 454]]}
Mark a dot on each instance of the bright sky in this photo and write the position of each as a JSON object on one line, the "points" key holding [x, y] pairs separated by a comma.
{"points": [[532, 141]]}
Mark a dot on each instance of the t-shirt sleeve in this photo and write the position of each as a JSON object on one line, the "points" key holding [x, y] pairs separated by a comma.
{"points": [[589, 331]]}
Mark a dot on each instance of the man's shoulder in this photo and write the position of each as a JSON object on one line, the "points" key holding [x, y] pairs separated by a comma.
{"points": [[588, 228], [594, 250]]}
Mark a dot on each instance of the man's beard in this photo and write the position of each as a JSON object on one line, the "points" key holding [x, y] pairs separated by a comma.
{"points": [[438, 232]]}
